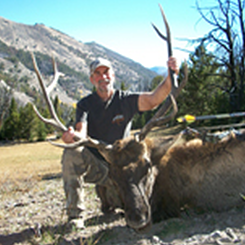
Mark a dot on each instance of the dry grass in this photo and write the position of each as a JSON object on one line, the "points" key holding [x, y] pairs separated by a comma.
{"points": [[35, 160], [22, 162]]}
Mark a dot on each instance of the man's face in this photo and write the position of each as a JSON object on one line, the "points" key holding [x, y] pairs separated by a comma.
{"points": [[103, 79]]}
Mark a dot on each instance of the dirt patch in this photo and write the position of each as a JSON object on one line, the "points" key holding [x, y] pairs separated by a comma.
{"points": [[32, 212]]}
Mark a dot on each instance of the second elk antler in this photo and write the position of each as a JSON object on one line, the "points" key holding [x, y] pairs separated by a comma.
{"points": [[159, 119]]}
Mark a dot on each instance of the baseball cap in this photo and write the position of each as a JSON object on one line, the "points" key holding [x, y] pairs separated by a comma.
{"points": [[99, 62]]}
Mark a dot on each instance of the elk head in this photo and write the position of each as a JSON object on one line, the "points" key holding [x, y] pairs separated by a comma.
{"points": [[130, 160]]}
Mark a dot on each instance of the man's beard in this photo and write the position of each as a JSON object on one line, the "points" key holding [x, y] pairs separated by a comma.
{"points": [[108, 86]]}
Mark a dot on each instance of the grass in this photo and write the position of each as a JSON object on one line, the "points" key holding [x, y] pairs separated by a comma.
{"points": [[22, 162], [34, 161]]}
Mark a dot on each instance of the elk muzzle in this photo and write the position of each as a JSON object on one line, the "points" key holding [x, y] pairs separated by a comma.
{"points": [[137, 208]]}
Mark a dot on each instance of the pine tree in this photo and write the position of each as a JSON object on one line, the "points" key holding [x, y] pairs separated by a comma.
{"points": [[10, 129], [41, 131], [27, 122]]}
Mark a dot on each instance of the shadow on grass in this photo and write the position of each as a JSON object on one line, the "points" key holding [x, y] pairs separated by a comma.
{"points": [[167, 230], [56, 234]]}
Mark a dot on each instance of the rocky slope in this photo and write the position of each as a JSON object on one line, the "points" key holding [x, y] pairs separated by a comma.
{"points": [[73, 58]]}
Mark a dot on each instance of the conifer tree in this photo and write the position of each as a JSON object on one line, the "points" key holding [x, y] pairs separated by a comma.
{"points": [[11, 125], [27, 122]]}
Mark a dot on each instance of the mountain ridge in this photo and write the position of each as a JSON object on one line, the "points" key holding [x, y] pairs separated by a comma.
{"points": [[73, 58], [159, 69], [71, 55]]}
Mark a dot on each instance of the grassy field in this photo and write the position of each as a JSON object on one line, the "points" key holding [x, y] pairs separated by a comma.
{"points": [[27, 161], [22, 162]]}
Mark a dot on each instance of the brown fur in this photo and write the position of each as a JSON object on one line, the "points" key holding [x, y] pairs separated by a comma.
{"points": [[159, 177], [203, 176], [133, 175]]}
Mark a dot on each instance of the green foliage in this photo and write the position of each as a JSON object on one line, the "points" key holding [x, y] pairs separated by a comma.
{"points": [[226, 39], [206, 92], [58, 109], [123, 86], [203, 94], [10, 128], [57, 105], [156, 81], [140, 120], [23, 124], [27, 123], [67, 114], [8, 80], [41, 131]]}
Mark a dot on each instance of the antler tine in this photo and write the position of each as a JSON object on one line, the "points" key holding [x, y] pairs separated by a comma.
{"points": [[158, 119], [170, 52], [57, 74], [167, 38], [82, 142], [55, 120], [175, 92]]}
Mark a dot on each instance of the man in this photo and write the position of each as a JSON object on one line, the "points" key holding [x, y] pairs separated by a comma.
{"points": [[106, 115]]}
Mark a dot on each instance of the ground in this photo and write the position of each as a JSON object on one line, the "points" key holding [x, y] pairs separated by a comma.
{"points": [[32, 212]]}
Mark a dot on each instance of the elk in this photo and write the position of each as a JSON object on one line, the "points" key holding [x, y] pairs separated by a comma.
{"points": [[155, 178]]}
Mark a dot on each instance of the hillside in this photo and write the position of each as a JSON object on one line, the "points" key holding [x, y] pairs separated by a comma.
{"points": [[73, 58]]}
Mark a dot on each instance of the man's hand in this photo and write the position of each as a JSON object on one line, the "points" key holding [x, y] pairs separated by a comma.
{"points": [[173, 64], [68, 136]]}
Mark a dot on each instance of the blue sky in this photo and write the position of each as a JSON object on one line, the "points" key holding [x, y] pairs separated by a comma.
{"points": [[123, 26]]}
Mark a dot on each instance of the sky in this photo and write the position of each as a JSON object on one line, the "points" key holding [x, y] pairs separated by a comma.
{"points": [[123, 26]]}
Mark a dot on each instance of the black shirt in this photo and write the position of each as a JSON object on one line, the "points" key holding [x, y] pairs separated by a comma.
{"points": [[111, 120]]}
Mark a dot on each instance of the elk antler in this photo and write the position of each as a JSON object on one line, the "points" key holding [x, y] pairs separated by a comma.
{"points": [[54, 121], [83, 142], [158, 119]]}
